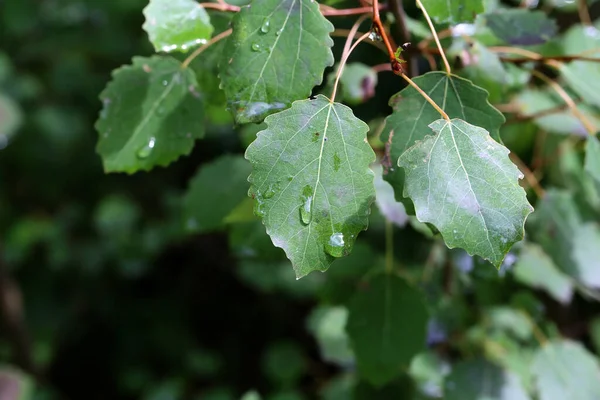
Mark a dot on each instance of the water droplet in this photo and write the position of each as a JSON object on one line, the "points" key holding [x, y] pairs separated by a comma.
{"points": [[269, 193], [146, 150], [306, 206], [259, 205], [266, 26], [165, 83], [255, 47], [279, 32], [335, 245]]}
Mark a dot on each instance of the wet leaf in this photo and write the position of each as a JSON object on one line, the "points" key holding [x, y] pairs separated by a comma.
{"points": [[520, 26], [214, 192], [462, 182], [176, 24], [151, 115], [311, 181], [387, 325], [412, 115], [276, 54]]}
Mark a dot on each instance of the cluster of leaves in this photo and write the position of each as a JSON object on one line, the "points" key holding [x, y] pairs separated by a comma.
{"points": [[411, 308]]}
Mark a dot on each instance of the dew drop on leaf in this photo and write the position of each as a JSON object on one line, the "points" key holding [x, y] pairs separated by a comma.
{"points": [[279, 32], [306, 207], [165, 83], [269, 193], [255, 47], [266, 26], [146, 150], [335, 246]]}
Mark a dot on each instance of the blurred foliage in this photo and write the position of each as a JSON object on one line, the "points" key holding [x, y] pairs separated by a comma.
{"points": [[164, 285]]}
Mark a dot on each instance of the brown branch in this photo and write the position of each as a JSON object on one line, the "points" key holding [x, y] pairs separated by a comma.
{"points": [[404, 34], [380, 30], [334, 12], [221, 7]]}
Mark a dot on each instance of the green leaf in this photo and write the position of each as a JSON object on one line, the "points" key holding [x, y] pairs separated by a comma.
{"points": [[592, 159], [463, 183], [428, 370], [214, 192], [387, 326], [453, 11], [312, 182], [520, 26], [176, 24], [276, 54], [251, 395], [412, 115], [481, 380], [328, 326], [563, 234], [10, 119], [507, 319], [151, 115], [534, 101], [566, 370], [284, 363], [536, 269], [584, 78]]}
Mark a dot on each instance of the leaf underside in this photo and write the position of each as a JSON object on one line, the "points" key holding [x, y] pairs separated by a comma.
{"points": [[412, 114], [311, 181], [521, 26], [276, 54], [462, 182]]}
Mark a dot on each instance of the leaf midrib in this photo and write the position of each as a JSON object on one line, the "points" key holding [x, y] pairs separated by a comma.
{"points": [[145, 120]]}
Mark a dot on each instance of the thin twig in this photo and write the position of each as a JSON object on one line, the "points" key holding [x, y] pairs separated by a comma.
{"points": [[435, 36], [404, 34], [584, 13], [343, 64], [201, 49], [221, 6], [333, 12], [587, 124], [352, 34], [381, 68], [426, 96], [380, 29]]}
